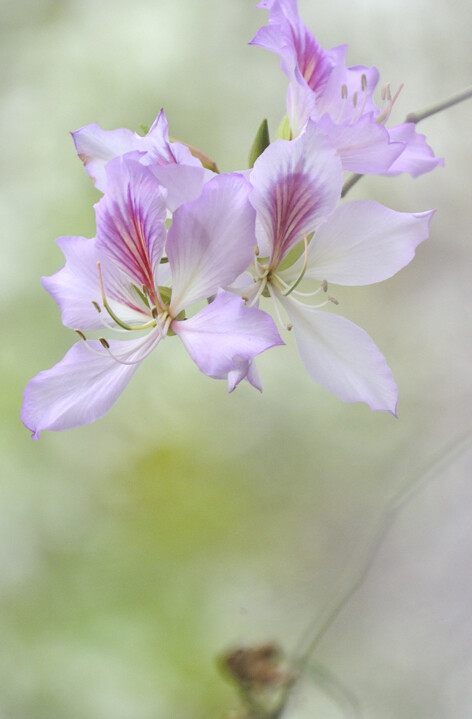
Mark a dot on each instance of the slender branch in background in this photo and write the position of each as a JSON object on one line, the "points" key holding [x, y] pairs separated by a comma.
{"points": [[323, 622], [353, 180], [416, 117]]}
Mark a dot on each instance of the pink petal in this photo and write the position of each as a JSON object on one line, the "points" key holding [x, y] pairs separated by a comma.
{"points": [[76, 286], [225, 336], [211, 240], [82, 386], [182, 182], [96, 147], [301, 55], [341, 357], [417, 157], [364, 147]]}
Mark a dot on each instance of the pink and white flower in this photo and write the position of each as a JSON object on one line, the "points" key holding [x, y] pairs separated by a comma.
{"points": [[340, 98], [172, 163], [296, 188], [117, 282]]}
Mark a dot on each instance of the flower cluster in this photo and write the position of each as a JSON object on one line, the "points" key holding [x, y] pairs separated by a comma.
{"points": [[182, 250]]}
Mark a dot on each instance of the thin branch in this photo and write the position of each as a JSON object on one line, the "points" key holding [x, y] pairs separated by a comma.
{"points": [[415, 117], [327, 617], [350, 182]]}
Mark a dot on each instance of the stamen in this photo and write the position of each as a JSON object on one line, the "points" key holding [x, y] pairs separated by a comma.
{"points": [[389, 100], [324, 285], [311, 307], [303, 270], [114, 317], [262, 286], [137, 361], [97, 306], [333, 300], [344, 91], [104, 343], [287, 325], [395, 97], [307, 294], [361, 107]]}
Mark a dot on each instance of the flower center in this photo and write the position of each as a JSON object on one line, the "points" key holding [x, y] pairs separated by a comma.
{"points": [[157, 302], [352, 107], [269, 283]]}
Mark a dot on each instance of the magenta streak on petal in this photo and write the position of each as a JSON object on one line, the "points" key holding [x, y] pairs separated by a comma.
{"points": [[127, 242], [312, 60], [292, 198]]}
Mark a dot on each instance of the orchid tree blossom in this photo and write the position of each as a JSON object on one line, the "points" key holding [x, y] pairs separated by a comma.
{"points": [[97, 147], [340, 98], [111, 284], [303, 238]]}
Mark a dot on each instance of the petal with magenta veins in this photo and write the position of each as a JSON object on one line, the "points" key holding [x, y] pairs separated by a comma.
{"points": [[225, 335], [131, 222], [211, 240], [296, 186], [301, 56], [341, 357], [83, 386]]}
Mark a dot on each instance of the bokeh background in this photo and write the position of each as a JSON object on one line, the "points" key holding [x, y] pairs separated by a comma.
{"points": [[135, 550]]}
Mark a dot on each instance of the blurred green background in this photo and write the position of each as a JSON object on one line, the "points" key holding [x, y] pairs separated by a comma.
{"points": [[135, 550]]}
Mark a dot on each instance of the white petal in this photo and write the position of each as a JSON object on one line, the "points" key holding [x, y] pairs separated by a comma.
{"points": [[341, 357], [361, 243]]}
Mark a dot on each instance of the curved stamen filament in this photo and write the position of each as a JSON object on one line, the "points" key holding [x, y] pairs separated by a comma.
{"points": [[262, 285], [104, 343], [361, 107], [323, 288], [342, 109], [389, 102], [290, 289], [288, 325], [114, 317]]}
